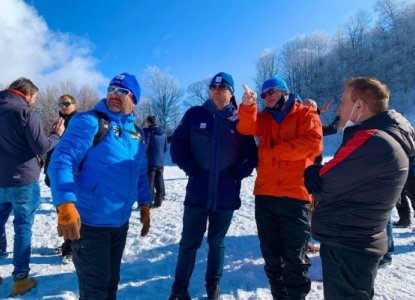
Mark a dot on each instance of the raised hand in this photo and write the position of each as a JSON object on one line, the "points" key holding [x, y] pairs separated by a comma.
{"points": [[249, 97], [326, 106], [59, 128]]}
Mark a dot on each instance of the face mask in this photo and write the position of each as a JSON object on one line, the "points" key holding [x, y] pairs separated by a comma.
{"points": [[350, 123], [280, 103]]}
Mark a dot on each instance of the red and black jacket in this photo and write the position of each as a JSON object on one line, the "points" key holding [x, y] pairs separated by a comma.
{"points": [[362, 183]]}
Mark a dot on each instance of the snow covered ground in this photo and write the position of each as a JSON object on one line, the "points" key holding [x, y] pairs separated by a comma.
{"points": [[149, 263]]}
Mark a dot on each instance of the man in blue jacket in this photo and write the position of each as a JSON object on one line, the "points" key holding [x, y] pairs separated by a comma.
{"points": [[156, 143], [207, 146], [101, 193], [22, 141]]}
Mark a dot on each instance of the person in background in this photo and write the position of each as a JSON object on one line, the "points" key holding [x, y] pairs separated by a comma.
{"points": [[67, 109], [156, 143], [403, 206], [328, 129], [22, 141]]}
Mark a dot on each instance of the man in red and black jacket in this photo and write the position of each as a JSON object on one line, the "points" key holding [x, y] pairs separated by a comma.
{"points": [[358, 188]]}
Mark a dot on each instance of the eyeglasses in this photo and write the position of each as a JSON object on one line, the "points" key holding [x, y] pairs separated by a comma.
{"points": [[120, 91], [66, 104], [269, 92], [221, 87]]}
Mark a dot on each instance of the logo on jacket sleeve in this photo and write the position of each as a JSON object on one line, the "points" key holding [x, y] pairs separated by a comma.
{"points": [[203, 125]]}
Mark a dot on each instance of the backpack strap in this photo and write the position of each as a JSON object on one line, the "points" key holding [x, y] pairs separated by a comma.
{"points": [[103, 127]]}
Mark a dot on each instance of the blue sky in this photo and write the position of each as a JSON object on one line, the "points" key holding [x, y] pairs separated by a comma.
{"points": [[193, 38]]}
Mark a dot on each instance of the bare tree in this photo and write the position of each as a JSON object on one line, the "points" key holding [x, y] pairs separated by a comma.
{"points": [[87, 98], [303, 61], [46, 103], [142, 111], [163, 92], [175, 120], [267, 65], [198, 93]]}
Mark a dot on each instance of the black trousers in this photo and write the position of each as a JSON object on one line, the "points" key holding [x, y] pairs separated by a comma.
{"points": [[403, 206], [67, 247], [97, 259], [284, 231], [156, 180], [348, 274]]}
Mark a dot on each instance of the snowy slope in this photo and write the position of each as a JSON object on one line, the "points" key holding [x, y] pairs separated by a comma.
{"points": [[149, 263]]}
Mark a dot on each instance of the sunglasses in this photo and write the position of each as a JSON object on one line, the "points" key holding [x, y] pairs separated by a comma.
{"points": [[221, 87], [120, 91], [268, 93], [66, 104]]}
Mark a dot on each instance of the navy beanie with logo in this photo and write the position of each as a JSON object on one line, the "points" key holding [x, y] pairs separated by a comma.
{"points": [[130, 83], [223, 78], [275, 82]]}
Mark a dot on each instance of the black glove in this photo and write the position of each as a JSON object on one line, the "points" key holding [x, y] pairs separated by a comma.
{"points": [[312, 180]]}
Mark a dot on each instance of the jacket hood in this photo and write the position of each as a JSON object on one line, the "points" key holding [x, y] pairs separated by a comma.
{"points": [[10, 100], [396, 126], [156, 130], [228, 112]]}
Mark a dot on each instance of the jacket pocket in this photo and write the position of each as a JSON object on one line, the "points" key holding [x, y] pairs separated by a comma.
{"points": [[197, 190], [228, 192], [201, 144]]}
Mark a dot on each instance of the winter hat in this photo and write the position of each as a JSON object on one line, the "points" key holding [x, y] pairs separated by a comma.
{"points": [[275, 82], [130, 83], [223, 78]]}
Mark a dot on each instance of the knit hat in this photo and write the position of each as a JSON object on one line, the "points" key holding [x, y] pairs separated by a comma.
{"points": [[275, 82], [223, 78], [130, 83]]}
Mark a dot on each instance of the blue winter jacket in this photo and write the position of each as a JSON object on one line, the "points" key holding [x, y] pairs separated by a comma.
{"points": [[215, 156], [22, 140], [156, 142], [113, 177]]}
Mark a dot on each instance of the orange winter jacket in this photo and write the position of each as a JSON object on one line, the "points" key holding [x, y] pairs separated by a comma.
{"points": [[285, 149]]}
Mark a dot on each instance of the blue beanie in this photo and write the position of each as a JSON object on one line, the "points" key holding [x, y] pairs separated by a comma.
{"points": [[275, 82], [130, 83], [223, 78]]}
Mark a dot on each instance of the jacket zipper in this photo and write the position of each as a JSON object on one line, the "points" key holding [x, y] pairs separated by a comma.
{"points": [[279, 165], [214, 191]]}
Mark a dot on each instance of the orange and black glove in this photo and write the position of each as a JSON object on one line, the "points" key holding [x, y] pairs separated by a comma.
{"points": [[69, 222], [145, 219]]}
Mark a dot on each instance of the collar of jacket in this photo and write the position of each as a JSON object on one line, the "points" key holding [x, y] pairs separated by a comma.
{"points": [[67, 116], [278, 116], [391, 122], [18, 93], [226, 113], [117, 117]]}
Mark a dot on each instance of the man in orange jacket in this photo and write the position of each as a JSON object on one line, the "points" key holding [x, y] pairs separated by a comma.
{"points": [[290, 138]]}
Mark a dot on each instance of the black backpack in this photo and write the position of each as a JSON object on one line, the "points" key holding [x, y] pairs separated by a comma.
{"points": [[104, 127]]}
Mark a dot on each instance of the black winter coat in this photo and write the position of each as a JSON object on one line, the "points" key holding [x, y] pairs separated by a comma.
{"points": [[215, 156], [362, 183]]}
